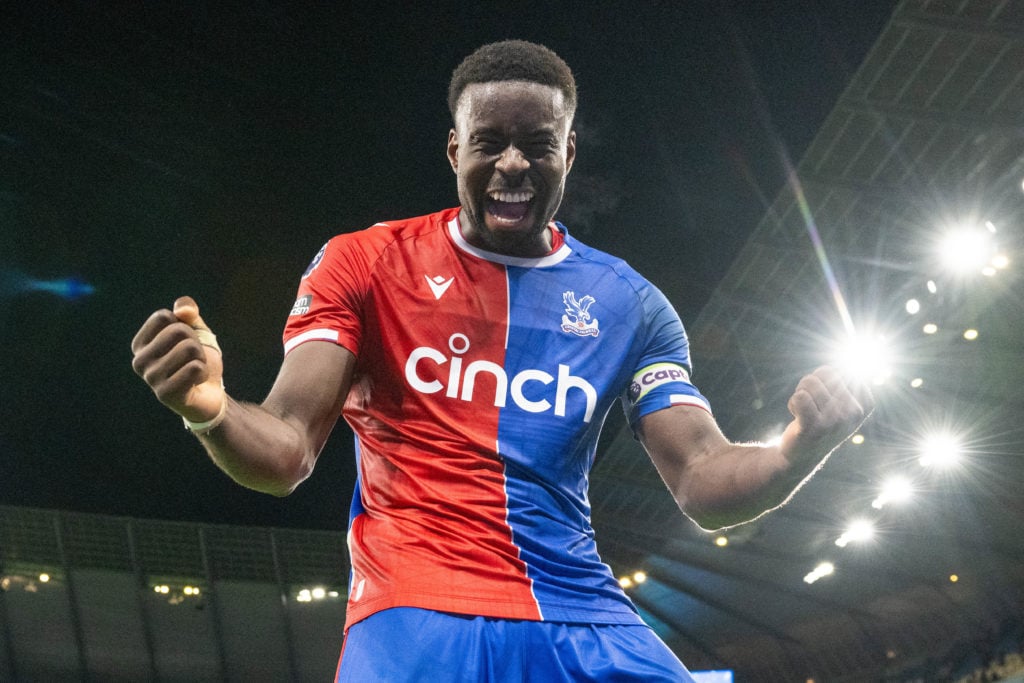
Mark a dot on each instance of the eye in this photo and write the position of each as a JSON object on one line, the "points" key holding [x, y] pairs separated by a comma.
{"points": [[488, 145], [540, 147]]}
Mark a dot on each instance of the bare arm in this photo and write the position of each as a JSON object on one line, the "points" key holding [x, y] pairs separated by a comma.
{"points": [[270, 447], [718, 483]]}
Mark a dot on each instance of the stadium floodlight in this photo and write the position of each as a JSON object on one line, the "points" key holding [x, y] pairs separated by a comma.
{"points": [[940, 450], [867, 358], [896, 489], [822, 570], [859, 530], [966, 250]]}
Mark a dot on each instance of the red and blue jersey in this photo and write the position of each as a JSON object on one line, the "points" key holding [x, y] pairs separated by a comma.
{"points": [[480, 388]]}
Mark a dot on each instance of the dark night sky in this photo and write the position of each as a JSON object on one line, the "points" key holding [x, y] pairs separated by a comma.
{"points": [[157, 149]]}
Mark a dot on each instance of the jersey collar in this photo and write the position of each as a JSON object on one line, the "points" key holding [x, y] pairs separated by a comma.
{"points": [[554, 258]]}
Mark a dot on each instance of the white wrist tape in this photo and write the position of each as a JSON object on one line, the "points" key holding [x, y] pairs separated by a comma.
{"points": [[201, 428], [206, 338]]}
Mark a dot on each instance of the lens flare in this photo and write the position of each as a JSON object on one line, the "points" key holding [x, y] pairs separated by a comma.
{"points": [[14, 283]]}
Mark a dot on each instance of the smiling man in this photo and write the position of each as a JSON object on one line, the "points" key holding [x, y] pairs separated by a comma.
{"points": [[475, 353], [511, 149]]}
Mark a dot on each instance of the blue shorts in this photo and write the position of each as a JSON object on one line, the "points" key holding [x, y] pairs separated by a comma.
{"points": [[407, 645]]}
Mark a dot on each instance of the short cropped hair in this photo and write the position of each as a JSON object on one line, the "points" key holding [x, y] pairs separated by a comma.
{"points": [[513, 60]]}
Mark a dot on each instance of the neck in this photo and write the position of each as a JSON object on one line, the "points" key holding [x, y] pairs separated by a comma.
{"points": [[531, 245]]}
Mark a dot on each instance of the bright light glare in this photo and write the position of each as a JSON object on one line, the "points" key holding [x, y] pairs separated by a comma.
{"points": [[894, 490], [823, 569], [1000, 261], [930, 328], [971, 334], [941, 450], [916, 382], [867, 358], [966, 250], [913, 306], [860, 530], [640, 577]]}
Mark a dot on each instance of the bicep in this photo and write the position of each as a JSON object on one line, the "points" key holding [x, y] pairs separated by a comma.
{"points": [[311, 388]]}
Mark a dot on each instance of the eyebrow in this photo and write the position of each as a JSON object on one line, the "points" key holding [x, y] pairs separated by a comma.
{"points": [[544, 131]]}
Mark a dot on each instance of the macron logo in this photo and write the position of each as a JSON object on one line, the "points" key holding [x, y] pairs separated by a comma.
{"points": [[438, 285]]}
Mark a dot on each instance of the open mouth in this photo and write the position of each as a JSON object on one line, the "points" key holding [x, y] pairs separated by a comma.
{"points": [[509, 208]]}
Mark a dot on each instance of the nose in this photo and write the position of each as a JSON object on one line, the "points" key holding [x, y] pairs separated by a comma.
{"points": [[512, 162]]}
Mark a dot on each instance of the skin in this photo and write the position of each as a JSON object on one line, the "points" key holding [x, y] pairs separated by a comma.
{"points": [[510, 137]]}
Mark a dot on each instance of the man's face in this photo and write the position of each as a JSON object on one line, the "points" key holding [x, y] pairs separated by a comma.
{"points": [[511, 150]]}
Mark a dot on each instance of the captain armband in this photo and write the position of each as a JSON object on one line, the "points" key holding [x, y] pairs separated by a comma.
{"points": [[653, 376]]}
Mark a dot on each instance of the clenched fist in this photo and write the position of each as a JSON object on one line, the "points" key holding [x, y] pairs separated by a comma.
{"points": [[826, 410], [178, 357]]}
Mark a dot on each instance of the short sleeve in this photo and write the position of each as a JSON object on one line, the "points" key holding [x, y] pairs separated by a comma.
{"points": [[329, 302], [661, 377]]}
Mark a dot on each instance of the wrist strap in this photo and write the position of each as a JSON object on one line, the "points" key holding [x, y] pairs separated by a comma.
{"points": [[202, 428]]}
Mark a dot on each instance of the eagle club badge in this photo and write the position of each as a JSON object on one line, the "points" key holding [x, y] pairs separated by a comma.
{"points": [[577, 319]]}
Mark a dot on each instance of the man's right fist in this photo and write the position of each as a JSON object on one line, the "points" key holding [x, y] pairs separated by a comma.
{"points": [[178, 357]]}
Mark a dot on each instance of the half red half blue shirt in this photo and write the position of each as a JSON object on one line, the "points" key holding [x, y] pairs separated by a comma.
{"points": [[480, 389]]}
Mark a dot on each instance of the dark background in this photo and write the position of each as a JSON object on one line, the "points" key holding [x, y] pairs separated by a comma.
{"points": [[156, 149]]}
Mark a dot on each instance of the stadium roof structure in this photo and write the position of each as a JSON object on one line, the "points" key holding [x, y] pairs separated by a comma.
{"points": [[97, 597], [927, 137]]}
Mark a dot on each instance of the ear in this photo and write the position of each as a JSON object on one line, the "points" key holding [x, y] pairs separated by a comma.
{"points": [[570, 150], [453, 149]]}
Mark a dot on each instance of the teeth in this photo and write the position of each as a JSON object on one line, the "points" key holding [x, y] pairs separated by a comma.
{"points": [[511, 197]]}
